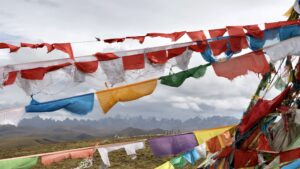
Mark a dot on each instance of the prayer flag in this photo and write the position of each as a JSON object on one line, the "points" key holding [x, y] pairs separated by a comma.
{"points": [[204, 135], [80, 105], [19, 163], [177, 79], [108, 98]]}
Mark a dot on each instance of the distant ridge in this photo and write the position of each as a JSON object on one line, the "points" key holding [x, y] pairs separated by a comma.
{"points": [[36, 131], [118, 123]]}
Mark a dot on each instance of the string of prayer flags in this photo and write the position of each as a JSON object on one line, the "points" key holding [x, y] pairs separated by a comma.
{"points": [[80, 105], [204, 135], [20, 163], [252, 30], [172, 145], [254, 61], [130, 149], [11, 116], [108, 98], [117, 68], [177, 79], [58, 157]]}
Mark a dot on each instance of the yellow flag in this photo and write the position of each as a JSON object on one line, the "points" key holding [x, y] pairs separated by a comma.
{"points": [[166, 165], [204, 135], [289, 12], [108, 98]]}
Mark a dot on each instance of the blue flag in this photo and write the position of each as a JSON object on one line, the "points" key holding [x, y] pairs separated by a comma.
{"points": [[192, 156], [288, 32], [79, 105]]}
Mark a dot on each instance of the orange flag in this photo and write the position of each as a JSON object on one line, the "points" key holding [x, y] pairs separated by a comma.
{"points": [[108, 98]]}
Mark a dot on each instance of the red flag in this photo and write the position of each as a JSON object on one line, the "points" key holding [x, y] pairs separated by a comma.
{"points": [[139, 38], [254, 61], [245, 158], [106, 56], [64, 47], [159, 57], [11, 48], [213, 145], [235, 31], [113, 40], [218, 46], [237, 38], [87, 67], [261, 109], [39, 73], [41, 45], [11, 78], [238, 43], [289, 155], [133, 62], [177, 35], [200, 47], [225, 152], [173, 36], [175, 52], [197, 35], [214, 33], [263, 144], [255, 31], [280, 24]]}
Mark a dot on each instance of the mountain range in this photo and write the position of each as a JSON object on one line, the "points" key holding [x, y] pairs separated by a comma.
{"points": [[37, 131]]}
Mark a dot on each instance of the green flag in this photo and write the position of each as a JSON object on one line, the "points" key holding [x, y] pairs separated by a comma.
{"points": [[20, 163], [176, 79], [178, 162], [280, 84]]}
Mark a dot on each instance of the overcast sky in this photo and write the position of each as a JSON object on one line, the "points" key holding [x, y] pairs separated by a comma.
{"points": [[75, 20]]}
